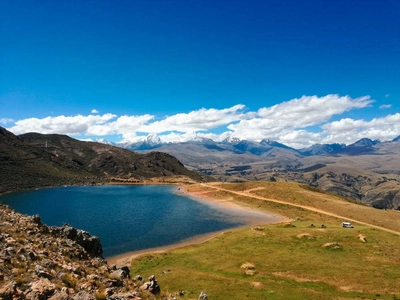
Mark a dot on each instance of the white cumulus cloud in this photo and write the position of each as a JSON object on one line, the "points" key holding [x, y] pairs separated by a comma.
{"points": [[199, 120], [311, 110], [5, 120], [350, 130], [128, 126], [281, 122], [69, 125], [298, 123]]}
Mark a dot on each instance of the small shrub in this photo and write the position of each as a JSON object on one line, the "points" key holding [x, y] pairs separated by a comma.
{"points": [[20, 280], [289, 225], [69, 280], [100, 295]]}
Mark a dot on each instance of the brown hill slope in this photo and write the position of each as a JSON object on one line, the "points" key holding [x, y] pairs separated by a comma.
{"points": [[36, 160]]}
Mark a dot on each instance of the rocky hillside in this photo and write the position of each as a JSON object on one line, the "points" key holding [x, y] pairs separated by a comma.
{"points": [[41, 262], [35, 160]]}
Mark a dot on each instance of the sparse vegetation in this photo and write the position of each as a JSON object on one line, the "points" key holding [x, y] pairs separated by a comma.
{"points": [[69, 280], [100, 295], [21, 280]]}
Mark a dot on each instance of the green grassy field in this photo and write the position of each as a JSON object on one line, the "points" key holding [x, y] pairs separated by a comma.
{"points": [[284, 261]]}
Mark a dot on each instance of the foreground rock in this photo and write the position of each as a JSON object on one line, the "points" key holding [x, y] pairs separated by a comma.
{"points": [[59, 263], [152, 285]]}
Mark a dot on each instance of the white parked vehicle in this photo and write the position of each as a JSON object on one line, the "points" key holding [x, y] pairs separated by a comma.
{"points": [[347, 225]]}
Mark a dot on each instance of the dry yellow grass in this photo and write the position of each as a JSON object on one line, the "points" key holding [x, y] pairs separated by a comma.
{"points": [[301, 197], [278, 261]]}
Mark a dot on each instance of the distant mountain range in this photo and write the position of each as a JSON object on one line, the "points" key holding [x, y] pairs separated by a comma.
{"points": [[367, 170], [203, 153], [153, 141]]}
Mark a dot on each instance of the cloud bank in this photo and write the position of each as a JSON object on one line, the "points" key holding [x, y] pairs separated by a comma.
{"points": [[298, 123]]}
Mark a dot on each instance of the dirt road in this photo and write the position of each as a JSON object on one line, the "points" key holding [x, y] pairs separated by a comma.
{"points": [[248, 194]]}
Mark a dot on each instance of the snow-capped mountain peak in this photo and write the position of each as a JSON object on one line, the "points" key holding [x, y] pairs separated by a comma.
{"points": [[153, 139], [231, 140], [191, 137]]}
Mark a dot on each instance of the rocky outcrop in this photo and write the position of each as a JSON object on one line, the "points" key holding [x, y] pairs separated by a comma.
{"points": [[59, 263], [151, 285], [90, 243], [40, 289]]}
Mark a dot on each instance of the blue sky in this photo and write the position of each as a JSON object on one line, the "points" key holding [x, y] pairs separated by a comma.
{"points": [[124, 69]]}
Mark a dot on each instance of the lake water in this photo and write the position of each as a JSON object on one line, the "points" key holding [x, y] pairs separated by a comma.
{"points": [[126, 218]]}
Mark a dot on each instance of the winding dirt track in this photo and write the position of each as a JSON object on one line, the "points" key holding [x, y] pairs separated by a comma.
{"points": [[247, 193]]}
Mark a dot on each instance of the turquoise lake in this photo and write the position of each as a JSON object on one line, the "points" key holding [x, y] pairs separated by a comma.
{"points": [[126, 218]]}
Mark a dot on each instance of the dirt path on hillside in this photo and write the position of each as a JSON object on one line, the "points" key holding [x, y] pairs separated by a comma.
{"points": [[247, 193]]}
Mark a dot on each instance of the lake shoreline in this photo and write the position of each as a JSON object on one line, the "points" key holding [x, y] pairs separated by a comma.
{"points": [[254, 217]]}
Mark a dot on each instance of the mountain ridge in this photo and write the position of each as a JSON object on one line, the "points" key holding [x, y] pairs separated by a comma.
{"points": [[153, 141], [366, 170], [35, 160]]}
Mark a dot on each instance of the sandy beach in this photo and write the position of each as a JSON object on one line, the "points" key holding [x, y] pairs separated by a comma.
{"points": [[250, 216]]}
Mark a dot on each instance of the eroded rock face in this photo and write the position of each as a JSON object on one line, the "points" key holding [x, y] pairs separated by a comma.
{"points": [[58, 263], [90, 243], [121, 273], [40, 289]]}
